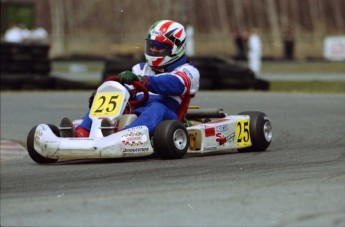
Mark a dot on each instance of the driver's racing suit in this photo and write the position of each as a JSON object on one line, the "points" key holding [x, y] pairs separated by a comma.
{"points": [[166, 92]]}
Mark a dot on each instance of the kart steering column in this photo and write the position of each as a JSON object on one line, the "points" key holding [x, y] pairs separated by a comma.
{"points": [[138, 86]]}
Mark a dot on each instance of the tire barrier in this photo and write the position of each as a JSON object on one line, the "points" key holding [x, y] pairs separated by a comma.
{"points": [[24, 64], [27, 66], [215, 72], [117, 64]]}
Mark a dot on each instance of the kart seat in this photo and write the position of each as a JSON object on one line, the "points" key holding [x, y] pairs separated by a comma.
{"points": [[182, 111]]}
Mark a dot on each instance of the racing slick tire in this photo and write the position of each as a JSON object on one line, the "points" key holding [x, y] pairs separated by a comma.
{"points": [[170, 140], [31, 149], [260, 131]]}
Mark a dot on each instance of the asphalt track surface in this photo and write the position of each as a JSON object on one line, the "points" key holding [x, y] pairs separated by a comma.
{"points": [[298, 181]]}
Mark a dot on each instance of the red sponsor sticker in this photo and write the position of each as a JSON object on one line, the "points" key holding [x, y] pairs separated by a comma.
{"points": [[210, 132]]}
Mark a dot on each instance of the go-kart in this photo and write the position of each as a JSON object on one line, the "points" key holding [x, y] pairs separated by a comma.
{"points": [[196, 131]]}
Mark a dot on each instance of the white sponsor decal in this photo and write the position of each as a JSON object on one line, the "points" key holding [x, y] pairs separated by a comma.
{"points": [[135, 150], [222, 128], [156, 32], [188, 73], [210, 148], [133, 138]]}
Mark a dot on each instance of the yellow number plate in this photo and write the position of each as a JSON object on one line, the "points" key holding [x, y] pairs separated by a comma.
{"points": [[105, 104], [243, 133]]}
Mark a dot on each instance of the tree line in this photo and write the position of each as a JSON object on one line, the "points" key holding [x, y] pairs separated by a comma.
{"points": [[109, 27]]}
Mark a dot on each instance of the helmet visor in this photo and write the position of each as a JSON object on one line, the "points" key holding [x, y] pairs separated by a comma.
{"points": [[155, 48]]}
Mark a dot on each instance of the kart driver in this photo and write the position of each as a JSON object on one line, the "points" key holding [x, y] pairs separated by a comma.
{"points": [[167, 74]]}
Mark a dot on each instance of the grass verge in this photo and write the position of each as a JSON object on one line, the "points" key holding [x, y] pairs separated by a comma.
{"points": [[303, 67], [308, 86]]}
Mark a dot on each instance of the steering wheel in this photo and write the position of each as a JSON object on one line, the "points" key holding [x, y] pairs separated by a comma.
{"points": [[138, 86]]}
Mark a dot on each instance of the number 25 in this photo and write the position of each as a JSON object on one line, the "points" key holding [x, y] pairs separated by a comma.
{"points": [[243, 131], [110, 103]]}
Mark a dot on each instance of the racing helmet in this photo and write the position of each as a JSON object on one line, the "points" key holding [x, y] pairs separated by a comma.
{"points": [[169, 38]]}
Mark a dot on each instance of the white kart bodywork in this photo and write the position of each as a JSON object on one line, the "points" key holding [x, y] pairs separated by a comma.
{"points": [[133, 142], [216, 136], [224, 134]]}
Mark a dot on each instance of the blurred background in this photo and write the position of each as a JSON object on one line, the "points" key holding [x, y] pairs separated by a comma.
{"points": [[84, 40], [106, 27]]}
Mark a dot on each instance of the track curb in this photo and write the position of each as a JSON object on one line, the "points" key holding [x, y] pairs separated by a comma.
{"points": [[11, 150]]}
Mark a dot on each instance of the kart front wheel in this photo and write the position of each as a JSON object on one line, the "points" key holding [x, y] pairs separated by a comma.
{"points": [[260, 131], [170, 140], [37, 157]]}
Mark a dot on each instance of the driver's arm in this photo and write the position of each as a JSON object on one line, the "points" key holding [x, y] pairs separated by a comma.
{"points": [[167, 84]]}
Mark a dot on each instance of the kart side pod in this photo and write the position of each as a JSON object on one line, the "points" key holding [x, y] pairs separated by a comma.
{"points": [[224, 134], [248, 131]]}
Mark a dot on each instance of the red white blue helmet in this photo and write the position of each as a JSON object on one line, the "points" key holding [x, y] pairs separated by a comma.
{"points": [[168, 35]]}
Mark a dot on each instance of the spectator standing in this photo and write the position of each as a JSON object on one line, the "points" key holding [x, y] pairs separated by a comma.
{"points": [[239, 41], [289, 42], [190, 41], [254, 51]]}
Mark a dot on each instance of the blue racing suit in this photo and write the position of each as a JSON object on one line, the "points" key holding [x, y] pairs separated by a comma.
{"points": [[166, 92]]}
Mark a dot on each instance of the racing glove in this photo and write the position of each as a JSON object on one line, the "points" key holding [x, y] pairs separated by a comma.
{"points": [[127, 77]]}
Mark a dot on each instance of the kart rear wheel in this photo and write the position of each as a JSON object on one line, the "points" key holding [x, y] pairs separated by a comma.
{"points": [[31, 148], [260, 131], [170, 140]]}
